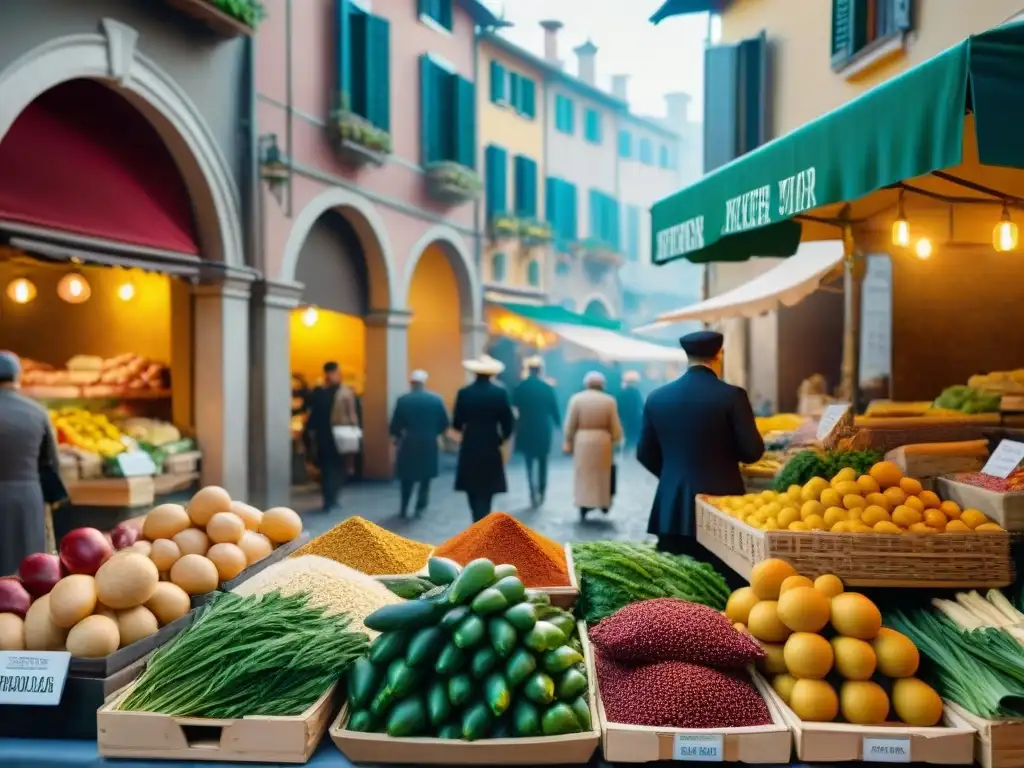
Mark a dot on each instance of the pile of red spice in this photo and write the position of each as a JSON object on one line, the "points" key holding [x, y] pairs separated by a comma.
{"points": [[503, 539], [1014, 483]]}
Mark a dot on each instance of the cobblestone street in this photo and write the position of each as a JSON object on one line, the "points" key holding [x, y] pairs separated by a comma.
{"points": [[448, 512]]}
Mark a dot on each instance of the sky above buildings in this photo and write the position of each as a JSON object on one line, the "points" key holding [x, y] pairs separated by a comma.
{"points": [[660, 59]]}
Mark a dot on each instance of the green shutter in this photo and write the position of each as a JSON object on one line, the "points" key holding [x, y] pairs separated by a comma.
{"points": [[430, 134], [595, 214], [721, 83], [614, 223], [445, 8], [572, 211], [533, 274], [378, 72], [625, 144], [551, 204], [515, 90], [464, 122], [498, 267], [526, 187], [529, 98], [342, 46], [425, 8], [570, 116], [849, 29], [497, 82], [496, 180], [592, 126], [753, 95]]}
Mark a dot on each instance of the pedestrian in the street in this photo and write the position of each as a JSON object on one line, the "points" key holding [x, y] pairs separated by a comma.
{"points": [[29, 470], [483, 414], [696, 432], [332, 404], [418, 422], [536, 417], [631, 407], [592, 431]]}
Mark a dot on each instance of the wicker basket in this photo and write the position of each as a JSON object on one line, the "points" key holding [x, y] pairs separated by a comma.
{"points": [[946, 560], [885, 439]]}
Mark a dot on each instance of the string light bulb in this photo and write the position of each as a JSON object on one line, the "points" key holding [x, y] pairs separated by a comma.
{"points": [[21, 291], [923, 248], [310, 315], [126, 291], [1005, 234], [74, 288], [900, 227]]}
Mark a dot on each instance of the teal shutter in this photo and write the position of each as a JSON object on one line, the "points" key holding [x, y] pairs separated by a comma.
{"points": [[378, 71], [430, 123], [613, 222], [498, 95], [625, 144], [572, 211], [721, 106], [592, 126], [498, 267], [445, 13], [533, 274], [595, 214], [753, 95], [849, 29], [570, 116], [496, 180], [425, 8], [663, 156], [342, 47], [632, 232], [515, 88], [464, 122], [529, 97], [357, 62], [526, 187], [551, 204]]}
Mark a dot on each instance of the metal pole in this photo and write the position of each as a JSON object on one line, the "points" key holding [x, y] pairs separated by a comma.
{"points": [[854, 282]]}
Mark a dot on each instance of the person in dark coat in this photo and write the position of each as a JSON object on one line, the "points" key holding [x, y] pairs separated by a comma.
{"points": [[417, 423], [483, 414], [631, 407], [536, 417], [330, 404], [696, 431], [28, 459]]}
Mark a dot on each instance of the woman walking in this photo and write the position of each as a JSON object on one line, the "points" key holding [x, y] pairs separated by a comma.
{"points": [[592, 430]]}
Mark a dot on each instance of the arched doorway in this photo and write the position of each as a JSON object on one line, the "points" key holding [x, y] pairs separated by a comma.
{"points": [[598, 308]]}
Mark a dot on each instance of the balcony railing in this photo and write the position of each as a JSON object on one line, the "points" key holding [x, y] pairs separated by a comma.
{"points": [[360, 142], [530, 231], [229, 18], [452, 183]]}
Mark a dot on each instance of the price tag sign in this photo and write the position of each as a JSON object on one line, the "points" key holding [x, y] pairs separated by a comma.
{"points": [[886, 750], [830, 418], [136, 464], [33, 678], [1004, 459], [700, 748]]}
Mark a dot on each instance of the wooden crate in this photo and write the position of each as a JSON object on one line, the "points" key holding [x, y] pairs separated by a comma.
{"points": [[182, 463], [843, 742], [262, 739], [921, 467], [166, 484], [113, 492], [940, 560], [125, 657], [997, 743], [885, 439], [1007, 509]]}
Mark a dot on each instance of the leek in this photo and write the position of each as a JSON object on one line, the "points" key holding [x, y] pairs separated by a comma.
{"points": [[1004, 606]]}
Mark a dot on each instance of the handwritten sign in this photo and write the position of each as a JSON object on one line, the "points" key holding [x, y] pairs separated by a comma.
{"points": [[830, 418], [136, 464], [886, 750], [33, 678], [701, 748], [1004, 459]]}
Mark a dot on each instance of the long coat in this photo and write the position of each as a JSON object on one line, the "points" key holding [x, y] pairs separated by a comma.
{"points": [[696, 432], [27, 451], [592, 429], [537, 416], [419, 420], [631, 411], [483, 414]]}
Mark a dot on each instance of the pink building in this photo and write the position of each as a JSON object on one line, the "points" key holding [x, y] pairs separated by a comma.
{"points": [[370, 222]]}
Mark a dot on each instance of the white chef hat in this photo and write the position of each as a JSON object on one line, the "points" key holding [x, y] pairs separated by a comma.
{"points": [[419, 376]]}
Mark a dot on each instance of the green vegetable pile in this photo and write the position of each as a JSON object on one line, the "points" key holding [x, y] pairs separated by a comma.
{"points": [[242, 656], [813, 463], [613, 574], [478, 657], [968, 400]]}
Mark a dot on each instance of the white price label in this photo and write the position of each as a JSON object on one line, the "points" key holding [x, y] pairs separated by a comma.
{"points": [[832, 415], [886, 750], [33, 678], [701, 748], [1004, 459], [136, 464]]}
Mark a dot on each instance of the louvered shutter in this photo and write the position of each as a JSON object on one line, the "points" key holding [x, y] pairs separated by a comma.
{"points": [[849, 29], [496, 180], [753, 92], [378, 72], [529, 98], [498, 95], [720, 105], [464, 122], [430, 133]]}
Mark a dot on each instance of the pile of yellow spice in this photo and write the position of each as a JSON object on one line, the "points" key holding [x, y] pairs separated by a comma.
{"points": [[367, 547]]}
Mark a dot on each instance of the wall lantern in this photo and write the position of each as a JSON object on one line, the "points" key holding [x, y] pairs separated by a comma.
{"points": [[923, 248], [1005, 234], [310, 315], [21, 291], [74, 288], [273, 168], [126, 291], [901, 227]]}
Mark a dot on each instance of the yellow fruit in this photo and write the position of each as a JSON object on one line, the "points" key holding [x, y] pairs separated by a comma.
{"points": [[957, 526], [814, 701], [935, 519], [768, 495], [846, 488], [867, 484], [783, 685], [792, 582], [829, 585], [770, 525], [787, 516], [873, 514], [910, 486], [878, 500], [886, 527], [785, 500], [741, 628], [861, 528], [950, 509], [774, 662], [895, 496], [798, 525], [863, 702], [855, 659], [803, 609], [897, 655], [989, 528], [794, 491], [764, 623], [930, 499], [767, 576], [834, 515], [844, 475], [843, 526], [905, 516], [831, 498], [916, 703], [808, 656], [914, 503], [738, 606], [815, 523], [772, 508], [921, 528], [886, 474], [854, 501], [811, 508], [972, 518], [754, 521], [812, 490], [854, 615], [854, 514]]}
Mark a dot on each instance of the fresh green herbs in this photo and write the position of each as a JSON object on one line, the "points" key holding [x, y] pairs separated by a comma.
{"points": [[813, 463]]}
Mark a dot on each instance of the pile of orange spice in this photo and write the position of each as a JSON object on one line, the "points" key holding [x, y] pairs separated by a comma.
{"points": [[503, 539]]}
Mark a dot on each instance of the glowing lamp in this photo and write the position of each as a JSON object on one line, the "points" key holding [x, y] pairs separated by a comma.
{"points": [[923, 248], [21, 291], [310, 316], [126, 291], [1005, 234], [901, 227], [74, 288]]}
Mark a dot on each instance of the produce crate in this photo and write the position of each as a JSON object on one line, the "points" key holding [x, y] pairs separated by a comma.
{"points": [[1007, 509], [276, 556], [939, 560], [922, 467], [258, 739], [917, 430], [570, 749], [887, 743], [113, 492], [997, 743], [183, 463], [166, 484], [118, 660]]}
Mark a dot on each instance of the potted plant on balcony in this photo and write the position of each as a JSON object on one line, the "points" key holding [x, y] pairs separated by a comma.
{"points": [[230, 18], [504, 226], [359, 142], [593, 249], [453, 182], [534, 232]]}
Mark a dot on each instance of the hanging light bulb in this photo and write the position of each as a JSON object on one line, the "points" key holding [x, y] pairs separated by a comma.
{"points": [[74, 288], [900, 227], [310, 316], [1005, 235], [923, 248], [126, 291], [21, 291]]}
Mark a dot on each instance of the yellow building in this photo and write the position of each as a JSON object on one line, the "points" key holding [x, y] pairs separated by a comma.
{"points": [[517, 252]]}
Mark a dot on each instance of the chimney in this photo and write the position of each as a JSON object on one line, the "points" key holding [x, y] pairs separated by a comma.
{"points": [[551, 27], [620, 87], [586, 65], [677, 108]]}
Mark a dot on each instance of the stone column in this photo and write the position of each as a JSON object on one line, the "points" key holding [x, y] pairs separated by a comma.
{"points": [[220, 379], [387, 358], [270, 391], [474, 339]]}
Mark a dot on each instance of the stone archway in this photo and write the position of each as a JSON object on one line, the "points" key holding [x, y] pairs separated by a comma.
{"points": [[598, 306]]}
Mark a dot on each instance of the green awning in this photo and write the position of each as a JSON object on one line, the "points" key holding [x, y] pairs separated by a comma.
{"points": [[552, 314], [682, 7], [851, 164]]}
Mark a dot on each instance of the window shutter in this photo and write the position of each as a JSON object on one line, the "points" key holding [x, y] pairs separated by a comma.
{"points": [[464, 122], [572, 210], [526, 187], [901, 15], [425, 8], [613, 223], [515, 91], [595, 214], [497, 82], [625, 144], [430, 133], [342, 55], [753, 93], [445, 7], [378, 71], [849, 29], [498, 267], [720, 105], [551, 198], [496, 180], [529, 98], [570, 116], [533, 274]]}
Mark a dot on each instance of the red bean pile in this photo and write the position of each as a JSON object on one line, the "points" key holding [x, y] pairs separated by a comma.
{"points": [[1012, 484], [669, 629], [675, 694]]}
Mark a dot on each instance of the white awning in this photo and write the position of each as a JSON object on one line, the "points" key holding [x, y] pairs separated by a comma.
{"points": [[789, 283], [614, 347]]}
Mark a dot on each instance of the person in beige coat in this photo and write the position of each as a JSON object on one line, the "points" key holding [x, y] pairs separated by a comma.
{"points": [[592, 430]]}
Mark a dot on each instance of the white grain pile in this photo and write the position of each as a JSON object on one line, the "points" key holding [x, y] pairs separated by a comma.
{"points": [[330, 585]]}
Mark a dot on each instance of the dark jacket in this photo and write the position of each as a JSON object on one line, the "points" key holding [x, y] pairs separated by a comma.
{"points": [[419, 419], [483, 414], [696, 432], [631, 412], [538, 415], [318, 423]]}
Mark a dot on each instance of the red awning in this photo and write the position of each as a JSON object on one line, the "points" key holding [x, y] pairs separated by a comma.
{"points": [[82, 160]]}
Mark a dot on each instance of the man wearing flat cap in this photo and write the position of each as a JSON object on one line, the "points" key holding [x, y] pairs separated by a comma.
{"points": [[417, 423], [696, 431], [536, 407]]}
